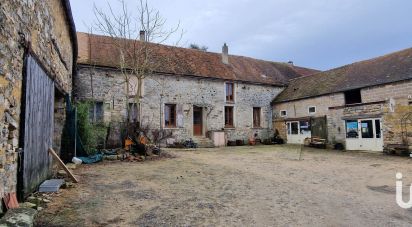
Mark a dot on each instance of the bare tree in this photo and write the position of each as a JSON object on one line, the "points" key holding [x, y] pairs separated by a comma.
{"points": [[133, 37]]}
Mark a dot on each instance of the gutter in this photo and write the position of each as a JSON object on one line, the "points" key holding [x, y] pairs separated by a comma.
{"points": [[72, 30]]}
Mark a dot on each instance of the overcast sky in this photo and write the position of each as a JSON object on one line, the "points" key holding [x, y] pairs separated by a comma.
{"points": [[320, 34]]}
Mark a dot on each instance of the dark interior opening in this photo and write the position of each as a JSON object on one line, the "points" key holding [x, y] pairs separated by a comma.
{"points": [[353, 97]]}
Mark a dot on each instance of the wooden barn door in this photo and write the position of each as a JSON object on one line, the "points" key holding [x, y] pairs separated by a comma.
{"points": [[319, 127], [37, 127]]}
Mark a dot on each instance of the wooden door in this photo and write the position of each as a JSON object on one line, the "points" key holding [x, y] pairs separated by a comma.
{"points": [[37, 127], [197, 121], [319, 127]]}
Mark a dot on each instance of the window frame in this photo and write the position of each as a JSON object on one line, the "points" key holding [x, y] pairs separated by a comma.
{"points": [[314, 112], [258, 117], [230, 98], [93, 116], [230, 116], [171, 124], [286, 113]]}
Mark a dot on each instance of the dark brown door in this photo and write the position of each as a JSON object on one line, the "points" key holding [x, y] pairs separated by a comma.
{"points": [[197, 121]]}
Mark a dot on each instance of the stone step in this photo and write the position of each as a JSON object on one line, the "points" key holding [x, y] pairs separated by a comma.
{"points": [[203, 142]]}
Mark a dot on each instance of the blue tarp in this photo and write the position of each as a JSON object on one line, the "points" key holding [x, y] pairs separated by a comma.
{"points": [[91, 159]]}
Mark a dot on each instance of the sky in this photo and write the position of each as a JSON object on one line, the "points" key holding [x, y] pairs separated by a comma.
{"points": [[319, 34]]}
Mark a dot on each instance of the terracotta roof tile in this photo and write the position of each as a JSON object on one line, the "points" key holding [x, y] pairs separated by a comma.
{"points": [[100, 51], [385, 69]]}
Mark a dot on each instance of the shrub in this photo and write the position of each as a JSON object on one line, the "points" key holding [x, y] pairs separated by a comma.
{"points": [[91, 134]]}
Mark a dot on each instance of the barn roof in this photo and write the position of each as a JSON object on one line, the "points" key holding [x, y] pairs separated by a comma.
{"points": [[381, 70]]}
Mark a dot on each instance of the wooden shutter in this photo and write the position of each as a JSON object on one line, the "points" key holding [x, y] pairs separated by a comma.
{"points": [[179, 117]]}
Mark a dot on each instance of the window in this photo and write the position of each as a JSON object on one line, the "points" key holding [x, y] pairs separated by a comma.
{"points": [[304, 127], [312, 109], [96, 113], [170, 115], [230, 92], [283, 113], [229, 116], [353, 97], [352, 129], [133, 112], [256, 117]]}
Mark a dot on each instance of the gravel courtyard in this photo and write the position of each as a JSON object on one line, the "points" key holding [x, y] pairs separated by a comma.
{"points": [[237, 186]]}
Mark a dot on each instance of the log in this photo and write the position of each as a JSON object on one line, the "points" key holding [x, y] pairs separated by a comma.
{"points": [[55, 156]]}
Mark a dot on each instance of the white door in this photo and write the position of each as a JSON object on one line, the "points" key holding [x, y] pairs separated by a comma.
{"points": [[298, 131], [364, 135]]}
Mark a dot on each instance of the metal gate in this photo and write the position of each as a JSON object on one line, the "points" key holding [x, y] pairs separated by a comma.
{"points": [[319, 127], [37, 126]]}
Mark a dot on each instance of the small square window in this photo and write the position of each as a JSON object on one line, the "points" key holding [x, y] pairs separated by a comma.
{"points": [[312, 109], [283, 113]]}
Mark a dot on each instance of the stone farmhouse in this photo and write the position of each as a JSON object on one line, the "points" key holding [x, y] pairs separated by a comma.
{"points": [[38, 51], [366, 105], [191, 93]]}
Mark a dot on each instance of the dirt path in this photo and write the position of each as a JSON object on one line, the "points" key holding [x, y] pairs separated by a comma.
{"points": [[252, 186]]}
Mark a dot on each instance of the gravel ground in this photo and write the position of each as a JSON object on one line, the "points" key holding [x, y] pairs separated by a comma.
{"points": [[237, 186]]}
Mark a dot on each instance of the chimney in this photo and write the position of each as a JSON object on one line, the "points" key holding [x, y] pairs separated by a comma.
{"points": [[290, 63], [225, 54], [142, 35]]}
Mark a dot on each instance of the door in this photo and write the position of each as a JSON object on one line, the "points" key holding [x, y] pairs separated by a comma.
{"points": [[298, 131], [364, 135], [37, 127], [197, 121], [318, 127]]}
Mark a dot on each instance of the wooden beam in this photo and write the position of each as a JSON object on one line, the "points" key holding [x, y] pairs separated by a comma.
{"points": [[55, 156]]}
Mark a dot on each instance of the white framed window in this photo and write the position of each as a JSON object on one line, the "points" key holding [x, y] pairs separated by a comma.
{"points": [[312, 109], [283, 113]]}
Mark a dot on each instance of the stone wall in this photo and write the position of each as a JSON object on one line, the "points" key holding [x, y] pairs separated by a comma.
{"points": [[185, 92], [398, 97], [390, 101], [44, 25]]}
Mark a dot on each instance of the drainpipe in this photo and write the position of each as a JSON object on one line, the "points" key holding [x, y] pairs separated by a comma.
{"points": [[160, 117]]}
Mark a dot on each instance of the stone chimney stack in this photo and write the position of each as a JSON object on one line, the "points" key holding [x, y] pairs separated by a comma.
{"points": [[225, 54], [142, 36]]}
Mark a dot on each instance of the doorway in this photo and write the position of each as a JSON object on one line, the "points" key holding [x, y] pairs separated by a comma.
{"points": [[298, 131], [197, 121], [364, 135]]}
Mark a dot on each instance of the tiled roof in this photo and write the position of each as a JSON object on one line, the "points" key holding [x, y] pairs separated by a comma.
{"points": [[100, 51], [381, 70]]}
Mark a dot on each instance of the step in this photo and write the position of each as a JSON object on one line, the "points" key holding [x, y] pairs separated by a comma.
{"points": [[203, 142]]}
